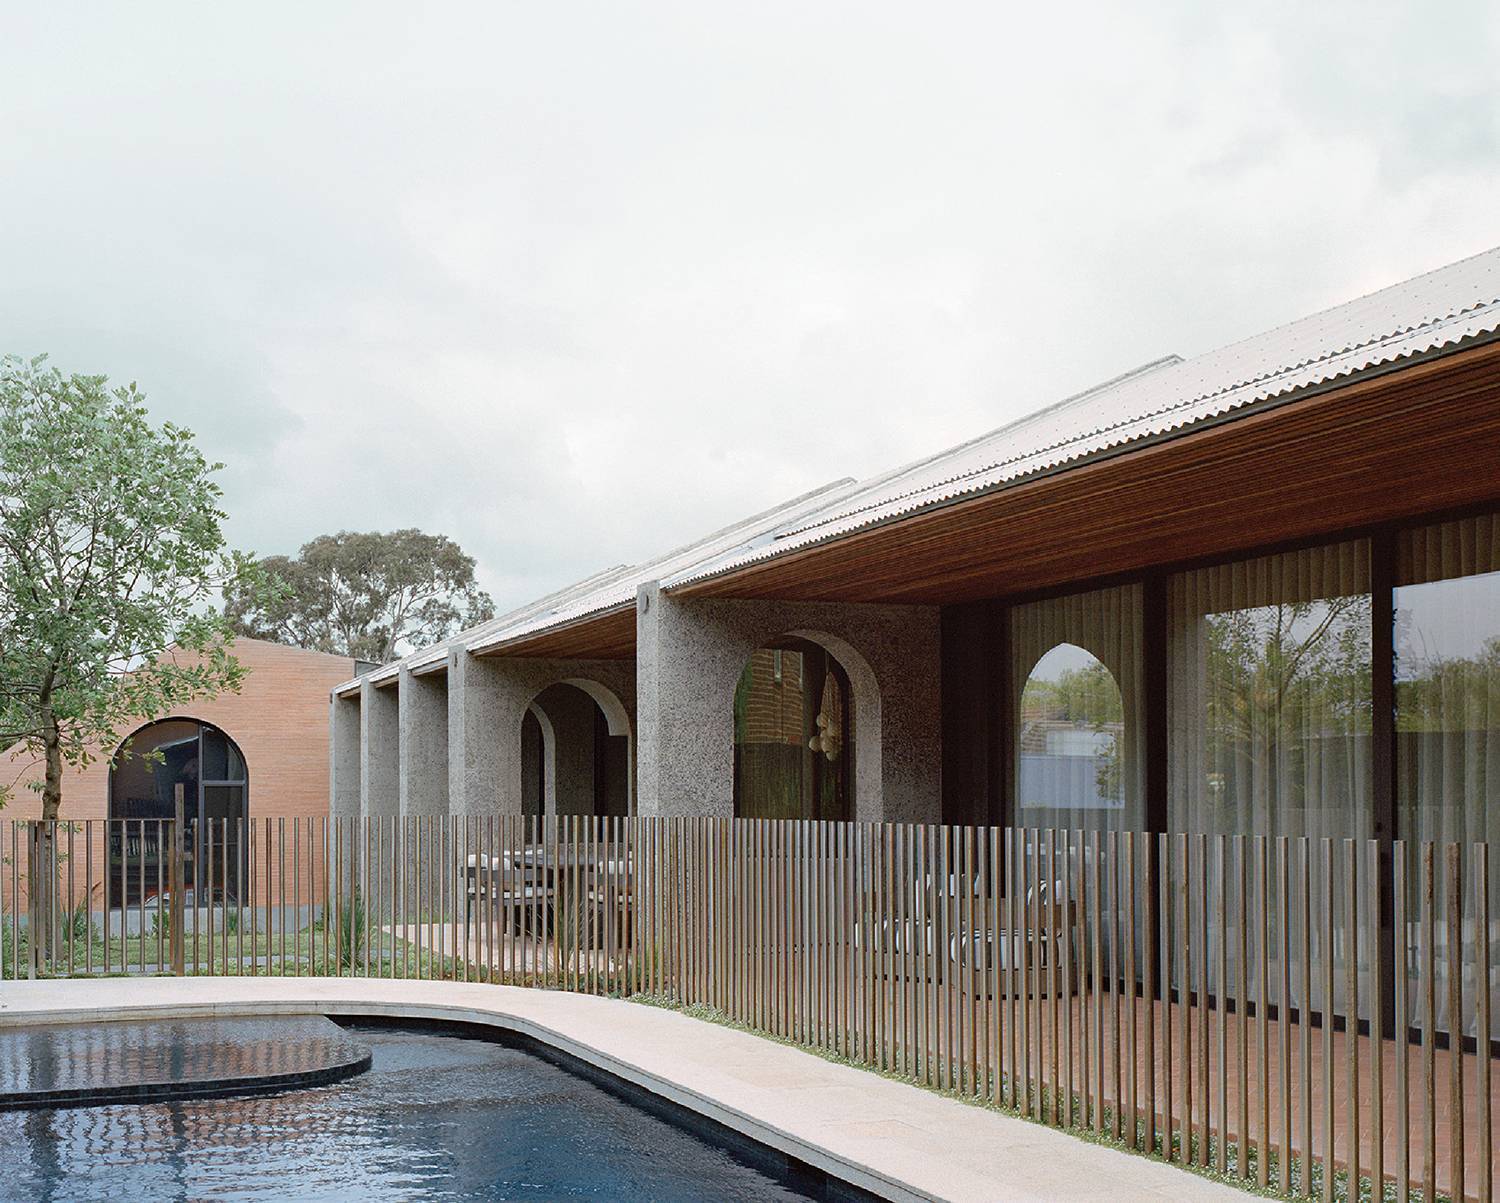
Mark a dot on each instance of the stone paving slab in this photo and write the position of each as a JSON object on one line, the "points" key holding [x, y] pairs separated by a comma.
{"points": [[893, 1139]]}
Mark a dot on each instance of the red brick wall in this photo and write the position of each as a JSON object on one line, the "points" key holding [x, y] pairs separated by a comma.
{"points": [[279, 719]]}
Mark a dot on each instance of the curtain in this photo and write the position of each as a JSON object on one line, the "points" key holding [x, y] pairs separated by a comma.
{"points": [[1269, 720], [1447, 642]]}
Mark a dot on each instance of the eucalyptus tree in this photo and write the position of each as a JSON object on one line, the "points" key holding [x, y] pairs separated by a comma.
{"points": [[366, 594]]}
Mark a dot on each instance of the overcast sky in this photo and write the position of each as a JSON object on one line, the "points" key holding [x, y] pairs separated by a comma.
{"points": [[574, 283]]}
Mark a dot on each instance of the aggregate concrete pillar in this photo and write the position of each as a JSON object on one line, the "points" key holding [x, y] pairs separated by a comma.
{"points": [[343, 757], [684, 748], [539, 765], [423, 720], [344, 788], [479, 768], [379, 752], [689, 656]]}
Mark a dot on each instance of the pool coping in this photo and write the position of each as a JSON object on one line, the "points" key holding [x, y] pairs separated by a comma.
{"points": [[888, 1138]]}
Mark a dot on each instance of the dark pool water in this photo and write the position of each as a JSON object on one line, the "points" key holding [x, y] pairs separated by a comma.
{"points": [[436, 1117]]}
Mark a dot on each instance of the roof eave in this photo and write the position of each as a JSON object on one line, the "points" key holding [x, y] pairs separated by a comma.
{"points": [[687, 586]]}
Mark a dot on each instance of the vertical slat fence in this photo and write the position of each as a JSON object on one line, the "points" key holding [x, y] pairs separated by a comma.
{"points": [[1216, 1000]]}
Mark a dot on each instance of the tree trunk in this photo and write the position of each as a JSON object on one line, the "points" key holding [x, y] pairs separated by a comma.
{"points": [[43, 883], [52, 745]]}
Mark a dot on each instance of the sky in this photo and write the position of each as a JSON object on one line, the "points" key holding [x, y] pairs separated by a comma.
{"points": [[575, 283]]}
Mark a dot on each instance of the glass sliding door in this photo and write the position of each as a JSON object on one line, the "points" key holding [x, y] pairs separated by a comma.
{"points": [[1447, 690], [1270, 683]]}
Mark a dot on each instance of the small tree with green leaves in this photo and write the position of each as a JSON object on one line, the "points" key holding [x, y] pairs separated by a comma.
{"points": [[111, 555]]}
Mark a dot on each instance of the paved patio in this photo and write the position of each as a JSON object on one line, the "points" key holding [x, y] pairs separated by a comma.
{"points": [[895, 1140]]}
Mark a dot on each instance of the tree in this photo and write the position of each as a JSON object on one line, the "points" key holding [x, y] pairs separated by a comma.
{"points": [[363, 595], [111, 553]]}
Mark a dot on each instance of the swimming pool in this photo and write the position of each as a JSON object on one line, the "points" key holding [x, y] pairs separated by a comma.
{"points": [[436, 1117]]}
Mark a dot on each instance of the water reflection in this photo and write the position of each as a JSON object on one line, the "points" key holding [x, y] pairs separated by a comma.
{"points": [[436, 1117]]}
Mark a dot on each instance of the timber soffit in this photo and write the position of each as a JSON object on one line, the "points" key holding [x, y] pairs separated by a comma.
{"points": [[1440, 311]]}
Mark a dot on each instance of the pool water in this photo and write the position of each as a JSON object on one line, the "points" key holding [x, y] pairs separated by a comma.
{"points": [[435, 1117]]}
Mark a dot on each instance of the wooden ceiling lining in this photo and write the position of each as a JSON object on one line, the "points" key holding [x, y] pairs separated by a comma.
{"points": [[1420, 440], [606, 636], [1417, 441]]}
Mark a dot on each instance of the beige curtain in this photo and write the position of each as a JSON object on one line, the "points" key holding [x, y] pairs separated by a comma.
{"points": [[1448, 720], [1269, 719]]}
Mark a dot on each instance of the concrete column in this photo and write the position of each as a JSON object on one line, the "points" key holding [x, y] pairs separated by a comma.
{"points": [[379, 752], [690, 653], [684, 731], [423, 719], [343, 757], [482, 780], [539, 762]]}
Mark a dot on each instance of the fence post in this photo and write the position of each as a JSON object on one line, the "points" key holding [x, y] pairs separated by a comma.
{"points": [[178, 910], [33, 910]]}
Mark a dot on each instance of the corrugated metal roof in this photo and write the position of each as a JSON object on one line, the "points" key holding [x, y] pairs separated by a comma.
{"points": [[607, 590], [622, 590], [1438, 310]]}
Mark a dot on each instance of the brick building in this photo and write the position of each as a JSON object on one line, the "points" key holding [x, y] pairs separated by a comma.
{"points": [[261, 753]]}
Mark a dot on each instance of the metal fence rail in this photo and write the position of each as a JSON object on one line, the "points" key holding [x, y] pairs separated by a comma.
{"points": [[1308, 1014]]}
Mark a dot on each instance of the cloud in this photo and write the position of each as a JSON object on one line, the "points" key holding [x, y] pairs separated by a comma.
{"points": [[573, 283]]}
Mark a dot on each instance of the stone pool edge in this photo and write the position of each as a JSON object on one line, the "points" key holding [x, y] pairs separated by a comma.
{"points": [[902, 1143]]}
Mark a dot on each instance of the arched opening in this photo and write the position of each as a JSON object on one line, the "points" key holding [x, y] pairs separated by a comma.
{"points": [[576, 755], [538, 752], [145, 775], [794, 738], [1071, 745]]}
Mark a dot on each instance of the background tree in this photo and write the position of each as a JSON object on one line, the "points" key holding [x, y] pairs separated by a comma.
{"points": [[111, 555], [371, 596]]}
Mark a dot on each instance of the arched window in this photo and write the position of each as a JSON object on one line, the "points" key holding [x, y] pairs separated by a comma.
{"points": [[793, 735], [1071, 743], [145, 775]]}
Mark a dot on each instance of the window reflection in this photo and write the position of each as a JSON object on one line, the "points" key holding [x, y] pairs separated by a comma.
{"points": [[1447, 638], [1072, 734], [1447, 645], [1076, 670], [1271, 695]]}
